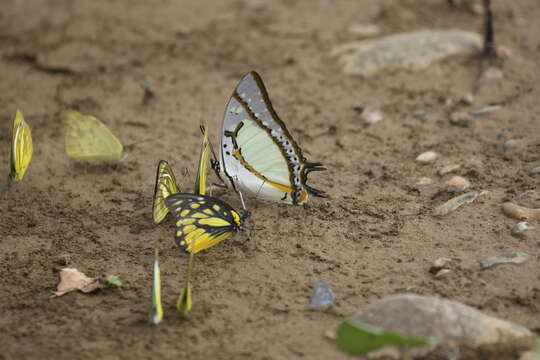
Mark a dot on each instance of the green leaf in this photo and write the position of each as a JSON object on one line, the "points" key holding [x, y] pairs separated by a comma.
{"points": [[113, 280], [357, 338], [537, 350]]}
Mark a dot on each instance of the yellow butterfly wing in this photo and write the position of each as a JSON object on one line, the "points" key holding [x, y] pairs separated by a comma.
{"points": [[202, 171], [21, 147], [165, 186], [88, 139]]}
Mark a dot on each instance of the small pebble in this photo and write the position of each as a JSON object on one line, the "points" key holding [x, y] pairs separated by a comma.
{"points": [[514, 258], [467, 99], [521, 227], [472, 163], [322, 295], [491, 74], [454, 203], [424, 181], [364, 30], [534, 170], [371, 115], [449, 169], [420, 113], [509, 144], [443, 273], [486, 110], [460, 119], [520, 212], [427, 157], [458, 183], [440, 263]]}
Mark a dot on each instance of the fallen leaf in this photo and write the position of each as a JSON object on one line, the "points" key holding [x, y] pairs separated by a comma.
{"points": [[73, 279]]}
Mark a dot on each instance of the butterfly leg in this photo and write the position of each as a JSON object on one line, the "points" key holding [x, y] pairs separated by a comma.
{"points": [[242, 199]]}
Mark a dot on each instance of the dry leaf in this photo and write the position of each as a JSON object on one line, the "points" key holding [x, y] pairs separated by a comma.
{"points": [[73, 279]]}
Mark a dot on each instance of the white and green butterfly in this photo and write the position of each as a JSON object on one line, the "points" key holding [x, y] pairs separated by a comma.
{"points": [[258, 155]]}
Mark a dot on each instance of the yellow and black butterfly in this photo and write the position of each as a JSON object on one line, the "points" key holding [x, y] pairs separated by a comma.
{"points": [[88, 139], [165, 186], [203, 221], [21, 147]]}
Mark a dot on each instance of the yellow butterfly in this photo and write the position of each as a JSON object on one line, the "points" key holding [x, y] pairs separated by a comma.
{"points": [[88, 139], [165, 186], [204, 158], [21, 147], [156, 312]]}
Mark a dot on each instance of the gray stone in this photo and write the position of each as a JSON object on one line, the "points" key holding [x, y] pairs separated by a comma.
{"points": [[461, 330], [411, 51]]}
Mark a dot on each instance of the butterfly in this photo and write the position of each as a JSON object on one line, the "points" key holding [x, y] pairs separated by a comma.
{"points": [[88, 139], [156, 312], [165, 186], [258, 155], [203, 221], [21, 147]]}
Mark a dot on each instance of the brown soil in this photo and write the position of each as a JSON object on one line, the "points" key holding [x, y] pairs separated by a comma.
{"points": [[373, 236]]}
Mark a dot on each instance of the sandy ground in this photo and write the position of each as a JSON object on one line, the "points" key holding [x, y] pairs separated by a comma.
{"points": [[373, 236]]}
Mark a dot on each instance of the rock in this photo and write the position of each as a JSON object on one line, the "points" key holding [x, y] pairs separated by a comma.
{"points": [[420, 113], [364, 30], [443, 273], [472, 163], [460, 119], [427, 157], [454, 203], [322, 296], [520, 212], [371, 115], [486, 110], [411, 51], [424, 181], [460, 329], [513, 258], [511, 143], [491, 74], [521, 227], [457, 182], [533, 170], [467, 99], [440, 263], [448, 169]]}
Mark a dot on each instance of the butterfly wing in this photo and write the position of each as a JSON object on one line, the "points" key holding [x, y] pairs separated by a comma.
{"points": [[165, 186], [201, 221], [88, 139], [258, 154], [156, 312], [21, 147], [202, 171]]}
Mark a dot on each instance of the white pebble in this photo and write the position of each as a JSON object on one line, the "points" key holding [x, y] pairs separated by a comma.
{"points": [[371, 115], [424, 181], [443, 273], [521, 227], [427, 157], [449, 168], [441, 262], [458, 182]]}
